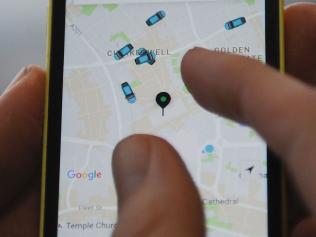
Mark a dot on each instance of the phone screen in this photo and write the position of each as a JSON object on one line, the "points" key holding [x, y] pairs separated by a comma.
{"points": [[122, 77]]}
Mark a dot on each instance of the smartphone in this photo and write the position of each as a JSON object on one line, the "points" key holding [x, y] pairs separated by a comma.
{"points": [[114, 71]]}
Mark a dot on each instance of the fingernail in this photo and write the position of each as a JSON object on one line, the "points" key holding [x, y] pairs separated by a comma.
{"points": [[194, 48], [131, 160], [198, 47], [18, 77], [20, 74]]}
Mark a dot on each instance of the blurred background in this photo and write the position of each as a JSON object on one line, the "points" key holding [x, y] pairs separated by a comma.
{"points": [[23, 35]]}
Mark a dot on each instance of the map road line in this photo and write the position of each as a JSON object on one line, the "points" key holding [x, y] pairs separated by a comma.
{"points": [[226, 231], [120, 133], [87, 142]]}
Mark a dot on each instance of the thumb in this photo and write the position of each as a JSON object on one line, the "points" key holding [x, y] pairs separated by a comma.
{"points": [[21, 120], [156, 194]]}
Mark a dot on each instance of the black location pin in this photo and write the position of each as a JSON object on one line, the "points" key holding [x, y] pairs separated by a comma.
{"points": [[163, 99]]}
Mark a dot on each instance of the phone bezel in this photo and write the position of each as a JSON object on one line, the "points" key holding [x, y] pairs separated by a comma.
{"points": [[52, 136]]}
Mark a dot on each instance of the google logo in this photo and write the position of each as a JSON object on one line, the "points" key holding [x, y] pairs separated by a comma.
{"points": [[72, 174]]}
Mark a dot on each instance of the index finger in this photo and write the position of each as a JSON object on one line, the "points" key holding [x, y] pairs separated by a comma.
{"points": [[280, 108], [247, 91]]}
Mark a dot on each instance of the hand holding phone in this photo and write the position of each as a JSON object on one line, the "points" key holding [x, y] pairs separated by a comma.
{"points": [[119, 88], [22, 211]]}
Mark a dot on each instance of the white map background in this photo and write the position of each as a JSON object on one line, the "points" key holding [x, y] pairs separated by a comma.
{"points": [[96, 114]]}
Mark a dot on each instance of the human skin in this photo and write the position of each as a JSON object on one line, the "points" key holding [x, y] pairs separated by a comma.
{"points": [[147, 170]]}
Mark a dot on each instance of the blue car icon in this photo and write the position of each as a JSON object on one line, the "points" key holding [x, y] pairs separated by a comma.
{"points": [[128, 92], [123, 51], [156, 18], [145, 57], [235, 23], [141, 51]]}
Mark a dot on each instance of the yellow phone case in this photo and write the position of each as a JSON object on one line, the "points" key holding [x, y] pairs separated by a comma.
{"points": [[48, 55], [44, 154]]}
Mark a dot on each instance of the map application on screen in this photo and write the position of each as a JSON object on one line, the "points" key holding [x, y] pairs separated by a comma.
{"points": [[122, 76]]}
